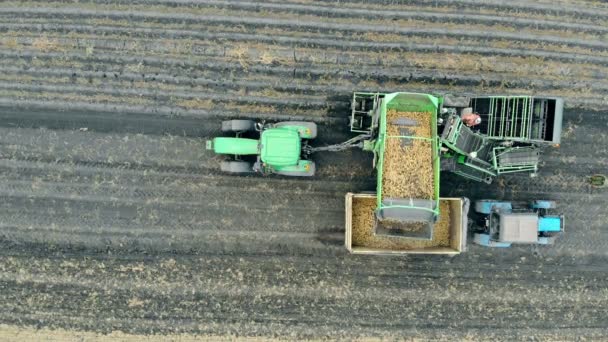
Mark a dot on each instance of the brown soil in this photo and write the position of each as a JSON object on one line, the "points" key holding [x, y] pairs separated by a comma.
{"points": [[114, 217], [16, 333], [363, 229], [408, 167]]}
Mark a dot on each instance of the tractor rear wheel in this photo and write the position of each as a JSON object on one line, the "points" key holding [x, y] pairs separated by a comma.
{"points": [[238, 126], [236, 166], [309, 173]]}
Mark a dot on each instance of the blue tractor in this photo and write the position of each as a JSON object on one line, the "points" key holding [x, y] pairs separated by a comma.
{"points": [[505, 223]]}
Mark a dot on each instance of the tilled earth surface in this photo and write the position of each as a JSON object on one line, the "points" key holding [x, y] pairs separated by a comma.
{"points": [[113, 217]]}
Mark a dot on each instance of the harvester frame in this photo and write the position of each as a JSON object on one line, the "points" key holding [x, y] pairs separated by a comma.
{"points": [[510, 137], [368, 117]]}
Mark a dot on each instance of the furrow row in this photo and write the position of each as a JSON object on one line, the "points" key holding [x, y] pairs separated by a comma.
{"points": [[254, 22]]}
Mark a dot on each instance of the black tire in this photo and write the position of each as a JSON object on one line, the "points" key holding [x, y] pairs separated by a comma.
{"points": [[310, 125], [479, 207], [309, 173], [236, 166], [544, 204], [457, 101], [238, 126]]}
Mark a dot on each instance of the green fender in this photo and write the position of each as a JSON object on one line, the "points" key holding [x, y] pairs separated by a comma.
{"points": [[304, 168]]}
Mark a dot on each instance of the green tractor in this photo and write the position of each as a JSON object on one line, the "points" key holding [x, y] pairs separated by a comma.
{"points": [[279, 148]]}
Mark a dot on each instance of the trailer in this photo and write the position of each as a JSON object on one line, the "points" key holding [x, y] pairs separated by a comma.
{"points": [[363, 236]]}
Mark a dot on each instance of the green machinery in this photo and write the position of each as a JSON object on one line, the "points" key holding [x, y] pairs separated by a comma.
{"points": [[369, 118], [510, 137], [512, 132], [283, 148], [266, 148]]}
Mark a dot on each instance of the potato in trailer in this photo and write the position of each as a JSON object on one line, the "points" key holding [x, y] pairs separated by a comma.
{"points": [[360, 236]]}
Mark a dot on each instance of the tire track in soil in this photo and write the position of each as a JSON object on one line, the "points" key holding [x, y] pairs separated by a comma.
{"points": [[474, 51], [115, 218], [302, 288], [412, 76], [584, 10]]}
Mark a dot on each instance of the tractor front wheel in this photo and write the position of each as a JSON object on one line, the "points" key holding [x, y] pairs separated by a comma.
{"points": [[486, 206], [238, 126], [236, 166]]}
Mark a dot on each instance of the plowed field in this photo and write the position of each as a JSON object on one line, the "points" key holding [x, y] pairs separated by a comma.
{"points": [[114, 217]]}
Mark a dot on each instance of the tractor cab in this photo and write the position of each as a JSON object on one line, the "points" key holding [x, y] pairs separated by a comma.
{"points": [[516, 227], [280, 147]]}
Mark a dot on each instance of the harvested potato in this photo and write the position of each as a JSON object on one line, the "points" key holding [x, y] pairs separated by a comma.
{"points": [[408, 163], [363, 229]]}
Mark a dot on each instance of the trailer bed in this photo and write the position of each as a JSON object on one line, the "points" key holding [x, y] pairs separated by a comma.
{"points": [[407, 166], [448, 232]]}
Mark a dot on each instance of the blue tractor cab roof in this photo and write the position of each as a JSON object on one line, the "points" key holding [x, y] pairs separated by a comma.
{"points": [[518, 227], [280, 147], [550, 224]]}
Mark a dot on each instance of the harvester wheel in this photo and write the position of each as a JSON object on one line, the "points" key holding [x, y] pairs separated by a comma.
{"points": [[310, 125], [238, 126], [450, 100], [236, 166]]}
